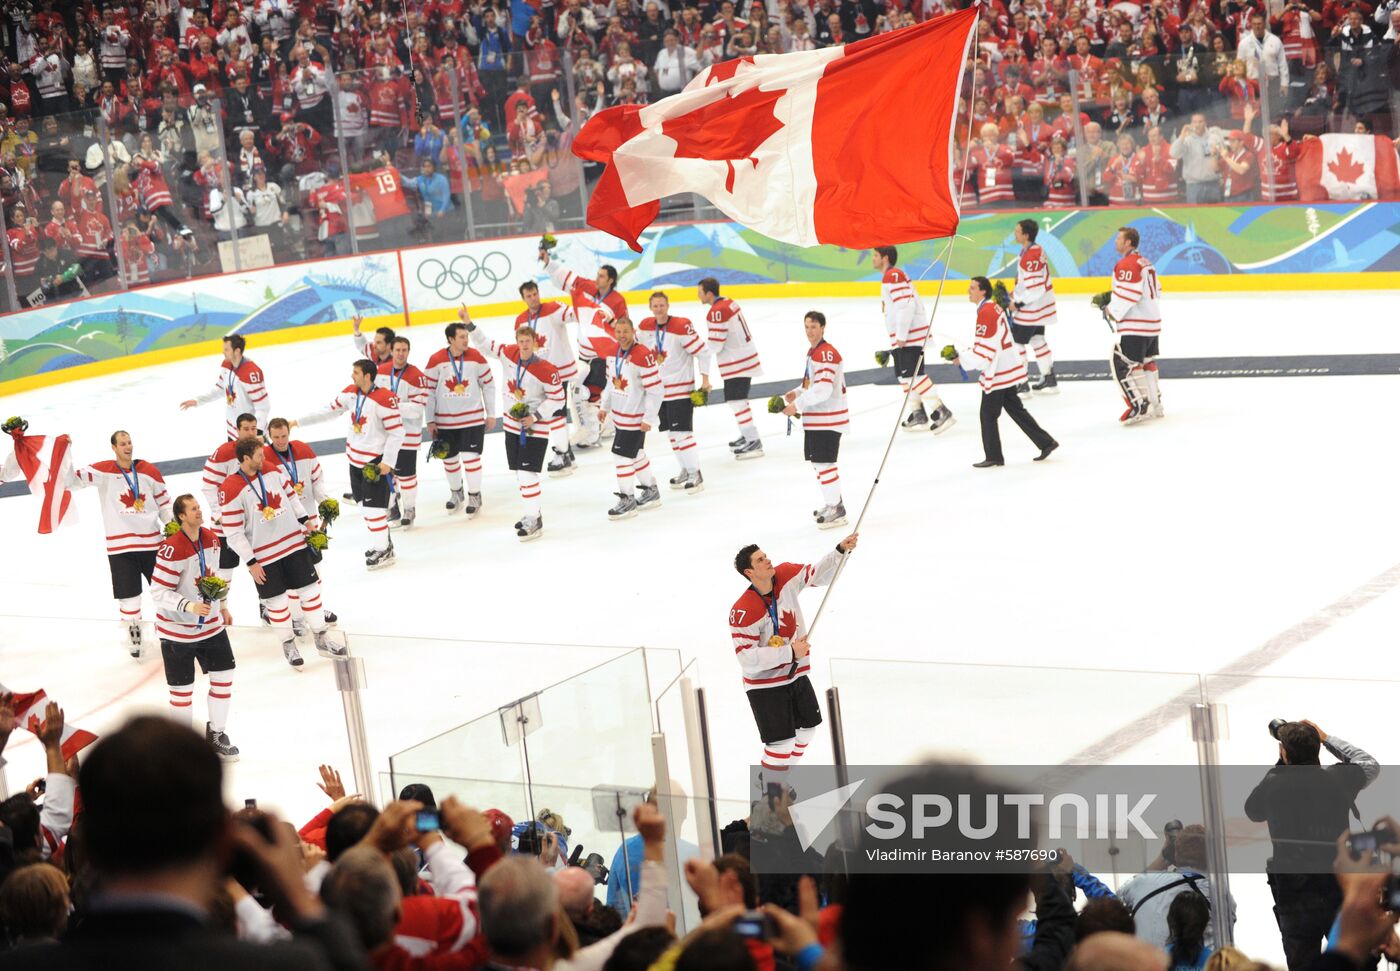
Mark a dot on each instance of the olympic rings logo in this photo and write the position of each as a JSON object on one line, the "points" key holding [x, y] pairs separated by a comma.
{"points": [[464, 274]]}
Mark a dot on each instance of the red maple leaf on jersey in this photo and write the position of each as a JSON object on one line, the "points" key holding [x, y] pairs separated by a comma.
{"points": [[1345, 168], [620, 384], [787, 623], [128, 500], [728, 130], [274, 501]]}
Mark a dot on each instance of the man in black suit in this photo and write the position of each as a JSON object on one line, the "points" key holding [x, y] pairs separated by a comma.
{"points": [[161, 843]]}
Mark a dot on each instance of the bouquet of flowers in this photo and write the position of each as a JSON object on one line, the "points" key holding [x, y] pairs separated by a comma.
{"points": [[548, 242], [949, 353], [439, 449], [882, 357], [1000, 297], [317, 540], [776, 404], [520, 411], [371, 472], [14, 424], [1101, 300], [329, 511], [212, 588], [171, 528], [700, 397]]}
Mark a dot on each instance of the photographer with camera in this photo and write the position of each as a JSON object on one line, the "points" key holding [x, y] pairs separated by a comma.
{"points": [[1306, 806], [1179, 869]]}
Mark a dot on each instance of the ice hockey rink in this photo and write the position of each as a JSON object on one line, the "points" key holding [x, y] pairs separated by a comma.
{"points": [[1033, 614]]}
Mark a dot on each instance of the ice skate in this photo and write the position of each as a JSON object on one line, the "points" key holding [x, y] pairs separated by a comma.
{"points": [[561, 465], [915, 420], [328, 646], [529, 529], [832, 516], [626, 507], [695, 484], [941, 420], [227, 751], [379, 559], [648, 498], [1023, 390], [406, 522], [737, 444], [1045, 384], [679, 481], [131, 639], [473, 505], [749, 450], [290, 652], [455, 500]]}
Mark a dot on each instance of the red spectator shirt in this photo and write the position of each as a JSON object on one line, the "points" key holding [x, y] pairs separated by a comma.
{"points": [[384, 188]]}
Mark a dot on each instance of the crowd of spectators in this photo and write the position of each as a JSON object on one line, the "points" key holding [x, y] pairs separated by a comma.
{"points": [[132, 859], [134, 137]]}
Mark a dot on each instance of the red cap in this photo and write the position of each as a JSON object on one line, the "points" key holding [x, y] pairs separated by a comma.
{"points": [[501, 825], [1236, 134]]}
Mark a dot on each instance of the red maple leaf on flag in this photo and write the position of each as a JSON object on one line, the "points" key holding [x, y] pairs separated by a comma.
{"points": [[728, 130], [128, 500], [787, 624], [1345, 168]]}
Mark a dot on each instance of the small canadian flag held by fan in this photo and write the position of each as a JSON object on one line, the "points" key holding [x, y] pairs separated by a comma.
{"points": [[1345, 168]]}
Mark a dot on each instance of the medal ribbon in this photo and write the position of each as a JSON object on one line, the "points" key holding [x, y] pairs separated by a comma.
{"points": [[660, 339], [261, 498], [133, 483], [771, 602], [360, 397], [232, 380], [456, 366], [199, 551], [395, 376], [617, 363], [289, 463]]}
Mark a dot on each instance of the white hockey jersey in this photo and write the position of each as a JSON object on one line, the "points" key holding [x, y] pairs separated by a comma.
{"points": [[261, 515], [1002, 364], [461, 390], [1134, 308], [731, 341], [243, 391], [677, 348], [552, 322], [905, 319], [218, 467], [135, 503], [752, 627], [303, 468], [174, 587], [376, 430], [1034, 291], [534, 382], [410, 387], [632, 394], [822, 403], [595, 313]]}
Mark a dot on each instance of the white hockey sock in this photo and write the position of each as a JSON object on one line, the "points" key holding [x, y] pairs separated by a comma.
{"points": [[529, 492], [559, 436], [378, 522], [309, 599], [453, 468], [471, 464], [130, 609], [623, 467], [279, 615], [744, 416], [181, 703], [1043, 357], [927, 393], [829, 479], [683, 447], [1021, 350], [642, 469], [220, 696], [777, 756], [408, 493], [800, 743]]}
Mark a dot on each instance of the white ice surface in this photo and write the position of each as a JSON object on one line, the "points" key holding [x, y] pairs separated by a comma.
{"points": [[1178, 546]]}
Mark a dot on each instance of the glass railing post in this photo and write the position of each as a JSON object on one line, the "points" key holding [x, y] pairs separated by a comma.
{"points": [[12, 294], [104, 139], [1207, 728], [350, 681], [1080, 146], [333, 84]]}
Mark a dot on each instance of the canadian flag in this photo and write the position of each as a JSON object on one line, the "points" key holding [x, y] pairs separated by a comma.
{"points": [[1347, 167], [850, 145], [29, 714], [44, 463]]}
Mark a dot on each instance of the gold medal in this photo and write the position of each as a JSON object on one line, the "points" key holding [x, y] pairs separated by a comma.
{"points": [[139, 505], [459, 388], [806, 383], [269, 513], [229, 398], [660, 358], [358, 426], [775, 641], [519, 394], [617, 383], [299, 486]]}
